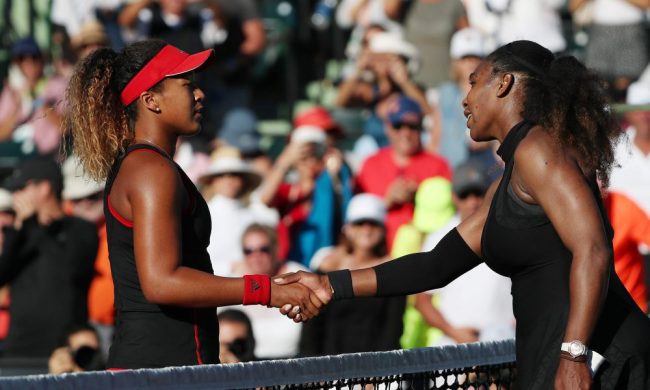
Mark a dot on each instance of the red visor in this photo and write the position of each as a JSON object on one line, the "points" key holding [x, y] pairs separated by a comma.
{"points": [[170, 61]]}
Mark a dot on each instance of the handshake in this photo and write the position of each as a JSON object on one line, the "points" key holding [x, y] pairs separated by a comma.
{"points": [[300, 295]]}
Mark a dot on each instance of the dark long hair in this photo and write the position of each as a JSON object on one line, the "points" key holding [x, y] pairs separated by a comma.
{"points": [[100, 126], [563, 96]]}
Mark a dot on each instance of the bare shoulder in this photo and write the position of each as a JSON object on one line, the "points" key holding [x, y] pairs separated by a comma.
{"points": [[543, 164], [144, 170]]}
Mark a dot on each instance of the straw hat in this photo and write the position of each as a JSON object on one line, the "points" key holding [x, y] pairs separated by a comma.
{"points": [[228, 160], [91, 33]]}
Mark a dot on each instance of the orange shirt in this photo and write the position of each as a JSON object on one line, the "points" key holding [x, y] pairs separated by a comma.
{"points": [[101, 307], [631, 228]]}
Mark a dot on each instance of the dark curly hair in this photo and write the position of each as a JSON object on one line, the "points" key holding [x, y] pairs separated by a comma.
{"points": [[99, 124], [563, 96]]}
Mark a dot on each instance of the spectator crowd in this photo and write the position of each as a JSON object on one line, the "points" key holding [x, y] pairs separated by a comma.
{"points": [[334, 137]]}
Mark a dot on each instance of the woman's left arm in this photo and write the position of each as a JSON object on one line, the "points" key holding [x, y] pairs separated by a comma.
{"points": [[548, 175]]}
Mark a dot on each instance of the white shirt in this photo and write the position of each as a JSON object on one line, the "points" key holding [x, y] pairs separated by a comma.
{"points": [[616, 12], [276, 336], [632, 178], [229, 220], [535, 20], [479, 298]]}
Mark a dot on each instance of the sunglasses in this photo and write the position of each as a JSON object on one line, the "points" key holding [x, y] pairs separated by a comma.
{"points": [[410, 126], [473, 192], [263, 249], [361, 222]]}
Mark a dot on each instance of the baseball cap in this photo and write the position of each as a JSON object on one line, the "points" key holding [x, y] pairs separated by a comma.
{"points": [[240, 131], [433, 204], [35, 169], [366, 207], [170, 61], [25, 47], [404, 110], [308, 134], [469, 176], [318, 116], [467, 42]]}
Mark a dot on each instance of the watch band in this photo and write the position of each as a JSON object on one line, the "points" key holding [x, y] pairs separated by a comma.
{"points": [[574, 348]]}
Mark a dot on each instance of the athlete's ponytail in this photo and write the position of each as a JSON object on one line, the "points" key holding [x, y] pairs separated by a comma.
{"points": [[96, 120], [565, 98]]}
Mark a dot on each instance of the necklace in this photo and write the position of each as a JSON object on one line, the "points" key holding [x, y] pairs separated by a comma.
{"points": [[144, 141]]}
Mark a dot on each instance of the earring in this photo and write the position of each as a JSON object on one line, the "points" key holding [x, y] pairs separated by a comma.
{"points": [[157, 109]]}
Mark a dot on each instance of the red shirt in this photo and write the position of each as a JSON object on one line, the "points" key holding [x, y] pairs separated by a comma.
{"points": [[379, 170], [631, 228]]}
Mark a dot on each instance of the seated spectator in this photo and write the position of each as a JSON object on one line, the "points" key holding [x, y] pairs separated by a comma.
{"points": [[240, 131], [477, 306], [26, 81], [383, 70], [632, 227], [433, 209], [236, 338], [84, 198], [312, 202], [361, 325], [81, 352], [395, 172], [47, 259], [466, 50], [90, 37], [275, 336], [228, 185]]}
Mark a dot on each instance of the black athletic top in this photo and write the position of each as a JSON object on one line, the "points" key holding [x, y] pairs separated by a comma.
{"points": [[146, 334], [520, 242]]}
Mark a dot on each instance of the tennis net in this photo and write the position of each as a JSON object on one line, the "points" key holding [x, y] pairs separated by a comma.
{"points": [[480, 366]]}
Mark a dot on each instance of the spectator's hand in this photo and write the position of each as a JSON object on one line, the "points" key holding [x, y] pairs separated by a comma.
{"points": [[572, 375], [293, 153], [318, 284], [464, 335], [304, 303], [397, 70], [400, 191], [24, 205], [61, 362], [333, 161]]}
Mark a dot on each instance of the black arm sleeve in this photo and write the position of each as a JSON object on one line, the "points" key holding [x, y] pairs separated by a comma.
{"points": [[424, 271]]}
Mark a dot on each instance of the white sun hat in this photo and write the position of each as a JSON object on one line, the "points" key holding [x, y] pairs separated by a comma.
{"points": [[394, 43], [366, 207], [227, 162], [76, 184]]}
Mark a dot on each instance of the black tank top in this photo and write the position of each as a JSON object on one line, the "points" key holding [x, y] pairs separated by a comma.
{"points": [[146, 334], [519, 241]]}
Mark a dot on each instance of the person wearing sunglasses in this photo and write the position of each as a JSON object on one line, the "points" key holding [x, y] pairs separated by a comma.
{"points": [[395, 172], [363, 325], [126, 112], [275, 336], [477, 306]]}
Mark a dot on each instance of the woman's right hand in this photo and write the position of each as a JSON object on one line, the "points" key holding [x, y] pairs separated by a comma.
{"points": [[318, 284], [300, 302]]}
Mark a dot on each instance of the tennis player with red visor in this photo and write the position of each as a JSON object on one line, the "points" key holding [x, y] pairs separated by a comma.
{"points": [[126, 111]]}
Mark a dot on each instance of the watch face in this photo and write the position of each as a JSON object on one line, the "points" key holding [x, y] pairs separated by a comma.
{"points": [[576, 348]]}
